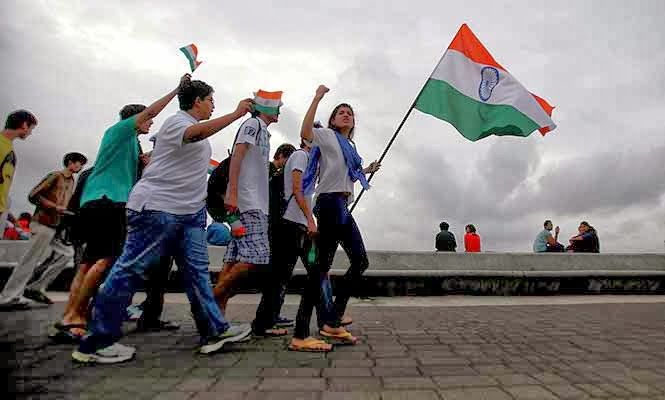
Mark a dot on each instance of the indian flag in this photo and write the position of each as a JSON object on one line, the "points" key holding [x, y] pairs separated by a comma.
{"points": [[212, 165], [267, 102], [191, 52], [478, 96]]}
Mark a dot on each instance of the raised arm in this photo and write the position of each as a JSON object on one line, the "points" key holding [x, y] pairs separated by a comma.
{"points": [[206, 129], [308, 123], [155, 108]]}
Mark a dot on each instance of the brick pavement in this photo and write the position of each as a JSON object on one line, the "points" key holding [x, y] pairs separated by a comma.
{"points": [[607, 351]]}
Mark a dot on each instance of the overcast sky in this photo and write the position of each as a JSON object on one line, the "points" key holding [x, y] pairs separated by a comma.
{"points": [[601, 63]]}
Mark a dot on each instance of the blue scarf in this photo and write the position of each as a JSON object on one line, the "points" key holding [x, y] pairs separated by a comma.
{"points": [[353, 163]]}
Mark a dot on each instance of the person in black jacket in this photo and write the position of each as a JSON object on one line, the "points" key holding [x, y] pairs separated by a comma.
{"points": [[445, 240]]}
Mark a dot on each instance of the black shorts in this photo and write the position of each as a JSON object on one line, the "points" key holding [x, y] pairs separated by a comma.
{"points": [[104, 229]]}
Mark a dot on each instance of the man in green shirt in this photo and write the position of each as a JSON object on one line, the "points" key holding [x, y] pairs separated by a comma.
{"points": [[103, 207]]}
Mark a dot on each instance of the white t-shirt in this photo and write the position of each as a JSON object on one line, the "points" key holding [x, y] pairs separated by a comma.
{"points": [[333, 173], [175, 180], [253, 178], [297, 162]]}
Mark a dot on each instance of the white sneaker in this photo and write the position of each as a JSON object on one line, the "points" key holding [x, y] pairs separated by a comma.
{"points": [[16, 303], [235, 333], [134, 312], [115, 353]]}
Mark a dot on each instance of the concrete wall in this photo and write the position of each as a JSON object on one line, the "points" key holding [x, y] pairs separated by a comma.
{"points": [[428, 273]]}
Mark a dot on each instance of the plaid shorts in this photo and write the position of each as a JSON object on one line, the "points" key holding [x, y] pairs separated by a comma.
{"points": [[254, 247]]}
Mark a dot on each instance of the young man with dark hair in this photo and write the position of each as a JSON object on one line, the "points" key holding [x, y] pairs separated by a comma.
{"points": [[55, 190], [288, 243], [166, 218], [50, 196], [545, 242], [103, 204], [19, 124], [445, 240], [248, 194]]}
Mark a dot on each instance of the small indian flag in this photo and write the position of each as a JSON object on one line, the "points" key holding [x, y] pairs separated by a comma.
{"points": [[478, 96], [191, 52], [212, 165], [267, 102]]}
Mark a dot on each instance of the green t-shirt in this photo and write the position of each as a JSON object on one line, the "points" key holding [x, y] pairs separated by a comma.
{"points": [[116, 166]]}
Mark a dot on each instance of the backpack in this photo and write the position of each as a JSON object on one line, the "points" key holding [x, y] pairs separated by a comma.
{"points": [[70, 230], [217, 184]]}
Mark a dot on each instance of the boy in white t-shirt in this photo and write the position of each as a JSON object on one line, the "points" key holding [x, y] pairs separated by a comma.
{"points": [[247, 192], [166, 218], [289, 241]]}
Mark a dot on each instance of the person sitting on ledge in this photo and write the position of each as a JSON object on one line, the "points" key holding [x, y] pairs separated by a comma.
{"points": [[545, 242], [445, 240], [471, 239], [586, 241]]}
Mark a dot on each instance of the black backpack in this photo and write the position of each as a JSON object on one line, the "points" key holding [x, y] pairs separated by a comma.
{"points": [[217, 183]]}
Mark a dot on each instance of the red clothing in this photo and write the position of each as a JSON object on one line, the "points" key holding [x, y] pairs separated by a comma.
{"points": [[472, 243]]}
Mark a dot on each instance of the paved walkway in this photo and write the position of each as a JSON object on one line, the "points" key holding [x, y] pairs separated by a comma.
{"points": [[441, 349]]}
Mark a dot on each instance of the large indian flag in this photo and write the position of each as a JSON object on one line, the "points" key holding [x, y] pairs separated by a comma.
{"points": [[478, 96]]}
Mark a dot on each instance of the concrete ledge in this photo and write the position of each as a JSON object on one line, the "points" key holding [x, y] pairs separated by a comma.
{"points": [[392, 263], [427, 273]]}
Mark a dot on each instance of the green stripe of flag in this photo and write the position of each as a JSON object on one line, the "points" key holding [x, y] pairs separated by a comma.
{"points": [[472, 118]]}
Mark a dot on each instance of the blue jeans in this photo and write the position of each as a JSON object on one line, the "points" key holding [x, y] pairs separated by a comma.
{"points": [[337, 227], [151, 235]]}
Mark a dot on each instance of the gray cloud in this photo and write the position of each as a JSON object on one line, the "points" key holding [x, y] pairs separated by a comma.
{"points": [[600, 63]]}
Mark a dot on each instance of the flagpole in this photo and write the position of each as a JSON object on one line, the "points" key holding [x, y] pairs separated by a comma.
{"points": [[390, 143]]}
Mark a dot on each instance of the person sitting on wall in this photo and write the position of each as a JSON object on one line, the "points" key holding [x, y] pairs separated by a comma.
{"points": [[586, 241]]}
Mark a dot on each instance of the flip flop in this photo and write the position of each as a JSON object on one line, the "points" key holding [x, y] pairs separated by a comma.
{"points": [[63, 334], [312, 345], [343, 338], [346, 321]]}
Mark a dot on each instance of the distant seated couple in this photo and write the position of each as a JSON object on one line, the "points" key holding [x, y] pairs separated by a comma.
{"points": [[586, 241]]}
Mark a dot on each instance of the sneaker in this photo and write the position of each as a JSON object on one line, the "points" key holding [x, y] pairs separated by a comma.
{"points": [[17, 303], [235, 333], [37, 295], [134, 312], [283, 322], [115, 353]]}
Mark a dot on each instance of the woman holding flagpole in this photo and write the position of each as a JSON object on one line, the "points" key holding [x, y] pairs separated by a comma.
{"points": [[337, 165]]}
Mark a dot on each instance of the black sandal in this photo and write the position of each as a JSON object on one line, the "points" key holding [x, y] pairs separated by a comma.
{"points": [[64, 335]]}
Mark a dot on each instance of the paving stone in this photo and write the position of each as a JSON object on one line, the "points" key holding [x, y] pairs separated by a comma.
{"points": [[342, 372], [290, 372], [515, 379], [230, 384], [395, 371], [351, 396], [396, 362], [637, 388], [567, 392], [446, 370], [354, 384], [293, 384], [532, 392], [195, 384], [445, 382], [408, 383], [352, 363], [298, 395], [221, 395], [410, 395], [592, 389], [485, 393], [610, 350]]}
